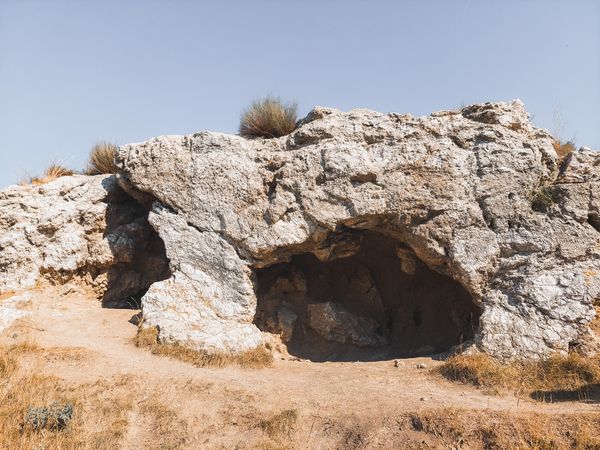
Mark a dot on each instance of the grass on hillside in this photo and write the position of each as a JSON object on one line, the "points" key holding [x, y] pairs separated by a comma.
{"points": [[461, 428], [558, 374], [280, 424], [112, 412], [147, 338], [101, 409]]}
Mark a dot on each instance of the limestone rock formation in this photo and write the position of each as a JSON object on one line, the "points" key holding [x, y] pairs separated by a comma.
{"points": [[359, 232], [78, 226], [456, 192]]}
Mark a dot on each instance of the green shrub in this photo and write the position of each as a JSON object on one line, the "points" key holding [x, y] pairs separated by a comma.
{"points": [[542, 199], [268, 118]]}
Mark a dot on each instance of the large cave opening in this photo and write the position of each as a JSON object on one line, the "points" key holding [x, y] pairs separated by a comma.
{"points": [[378, 301]]}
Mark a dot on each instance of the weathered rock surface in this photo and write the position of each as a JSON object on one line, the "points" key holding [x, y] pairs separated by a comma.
{"points": [[78, 226], [11, 309], [338, 325], [455, 187]]}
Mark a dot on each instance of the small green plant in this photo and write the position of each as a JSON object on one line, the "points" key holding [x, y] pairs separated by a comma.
{"points": [[268, 118], [542, 199], [102, 159], [53, 417]]}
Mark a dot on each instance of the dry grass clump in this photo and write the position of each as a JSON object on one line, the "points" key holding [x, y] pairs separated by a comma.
{"points": [[53, 172], [571, 373], [102, 159], [459, 428], [479, 370], [268, 118], [280, 424], [563, 149], [8, 365], [147, 337], [169, 430]]}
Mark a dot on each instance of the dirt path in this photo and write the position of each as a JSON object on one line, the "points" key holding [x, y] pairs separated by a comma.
{"points": [[217, 406]]}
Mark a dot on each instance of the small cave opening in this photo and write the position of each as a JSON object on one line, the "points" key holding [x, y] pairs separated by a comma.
{"points": [[594, 221], [139, 255], [377, 301]]}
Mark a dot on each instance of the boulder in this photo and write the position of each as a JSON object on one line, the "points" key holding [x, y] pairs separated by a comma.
{"points": [[78, 227], [336, 324], [456, 188]]}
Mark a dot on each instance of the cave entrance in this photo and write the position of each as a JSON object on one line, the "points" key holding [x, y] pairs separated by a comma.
{"points": [[380, 302], [139, 253]]}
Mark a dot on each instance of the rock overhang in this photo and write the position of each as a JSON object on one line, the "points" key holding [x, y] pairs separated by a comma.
{"points": [[455, 188]]}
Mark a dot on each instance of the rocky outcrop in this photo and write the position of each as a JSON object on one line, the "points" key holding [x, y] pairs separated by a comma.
{"points": [[358, 230], [78, 227], [456, 190]]}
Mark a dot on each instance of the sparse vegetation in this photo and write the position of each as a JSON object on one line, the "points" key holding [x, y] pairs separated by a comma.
{"points": [[280, 424], [53, 172], [563, 149], [147, 337], [8, 364], [459, 428], [573, 373], [42, 411], [102, 159], [55, 416], [542, 199], [268, 118], [169, 428]]}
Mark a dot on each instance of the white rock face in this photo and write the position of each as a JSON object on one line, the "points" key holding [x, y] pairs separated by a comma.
{"points": [[457, 187], [76, 226], [10, 309]]}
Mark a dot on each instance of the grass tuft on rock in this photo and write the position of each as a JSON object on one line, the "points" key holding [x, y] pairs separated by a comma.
{"points": [[53, 172], [147, 338], [102, 159], [563, 149], [268, 118]]}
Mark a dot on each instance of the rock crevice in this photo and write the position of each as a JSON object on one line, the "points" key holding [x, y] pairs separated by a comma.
{"points": [[79, 227]]}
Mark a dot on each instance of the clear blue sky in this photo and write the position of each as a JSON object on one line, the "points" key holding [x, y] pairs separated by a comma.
{"points": [[75, 72]]}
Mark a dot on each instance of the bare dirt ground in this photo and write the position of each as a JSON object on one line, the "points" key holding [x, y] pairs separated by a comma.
{"points": [[165, 403]]}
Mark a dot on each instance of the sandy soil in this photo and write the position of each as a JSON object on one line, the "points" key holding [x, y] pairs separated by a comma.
{"points": [[339, 405]]}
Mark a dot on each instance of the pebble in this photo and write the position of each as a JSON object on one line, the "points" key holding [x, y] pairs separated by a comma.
{"points": [[421, 366]]}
